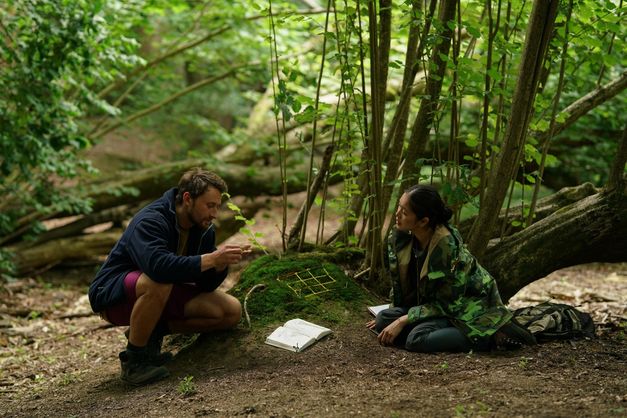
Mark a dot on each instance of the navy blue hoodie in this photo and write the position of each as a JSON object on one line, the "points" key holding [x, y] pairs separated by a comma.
{"points": [[149, 244]]}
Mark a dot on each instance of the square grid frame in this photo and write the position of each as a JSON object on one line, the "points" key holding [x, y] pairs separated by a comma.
{"points": [[305, 283]]}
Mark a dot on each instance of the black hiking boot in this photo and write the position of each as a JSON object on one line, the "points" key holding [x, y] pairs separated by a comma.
{"points": [[512, 336], [137, 370], [153, 349]]}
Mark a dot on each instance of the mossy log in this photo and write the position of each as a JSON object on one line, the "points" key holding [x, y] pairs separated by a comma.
{"points": [[593, 229]]}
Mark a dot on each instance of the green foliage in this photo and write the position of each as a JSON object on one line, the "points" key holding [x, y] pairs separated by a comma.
{"points": [[52, 53], [186, 386], [523, 362], [278, 302], [253, 237]]}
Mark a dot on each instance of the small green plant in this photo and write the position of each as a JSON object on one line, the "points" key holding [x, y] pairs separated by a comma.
{"points": [[187, 387], [443, 365], [253, 237], [34, 315], [68, 379], [481, 407], [522, 363], [460, 411]]}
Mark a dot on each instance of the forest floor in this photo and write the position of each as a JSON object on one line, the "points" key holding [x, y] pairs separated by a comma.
{"points": [[58, 359]]}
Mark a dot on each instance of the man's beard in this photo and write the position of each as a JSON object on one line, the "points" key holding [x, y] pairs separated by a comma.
{"points": [[194, 221]]}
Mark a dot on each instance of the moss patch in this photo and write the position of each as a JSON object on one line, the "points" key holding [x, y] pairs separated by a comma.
{"points": [[278, 302]]}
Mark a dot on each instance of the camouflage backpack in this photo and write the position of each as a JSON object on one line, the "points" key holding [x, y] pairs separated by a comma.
{"points": [[555, 321]]}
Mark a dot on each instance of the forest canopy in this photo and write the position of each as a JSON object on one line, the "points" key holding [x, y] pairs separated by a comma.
{"points": [[500, 103]]}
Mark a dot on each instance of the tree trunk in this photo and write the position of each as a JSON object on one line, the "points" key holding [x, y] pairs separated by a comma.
{"points": [[617, 173], [536, 42], [292, 239], [428, 106], [591, 230]]}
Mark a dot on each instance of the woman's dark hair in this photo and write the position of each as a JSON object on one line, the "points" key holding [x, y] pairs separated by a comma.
{"points": [[426, 201], [197, 181]]}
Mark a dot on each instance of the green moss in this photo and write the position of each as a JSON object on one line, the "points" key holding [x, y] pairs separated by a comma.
{"points": [[277, 302]]}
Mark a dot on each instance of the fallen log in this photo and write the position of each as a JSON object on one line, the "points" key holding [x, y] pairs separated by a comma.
{"points": [[133, 187], [52, 253], [593, 229], [45, 255], [545, 207], [150, 183]]}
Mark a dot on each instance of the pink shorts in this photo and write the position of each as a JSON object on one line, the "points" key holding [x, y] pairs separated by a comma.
{"points": [[174, 308]]}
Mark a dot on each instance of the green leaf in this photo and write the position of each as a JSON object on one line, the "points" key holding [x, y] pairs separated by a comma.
{"points": [[473, 31], [471, 140], [436, 275]]}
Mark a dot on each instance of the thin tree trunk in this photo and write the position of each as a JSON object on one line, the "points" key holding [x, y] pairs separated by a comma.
{"points": [[556, 100], [396, 132], [617, 173], [486, 102], [428, 106], [357, 202], [375, 214], [314, 137], [538, 34], [299, 224], [385, 38]]}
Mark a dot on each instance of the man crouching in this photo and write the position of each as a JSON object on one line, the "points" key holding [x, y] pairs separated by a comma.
{"points": [[162, 275]]}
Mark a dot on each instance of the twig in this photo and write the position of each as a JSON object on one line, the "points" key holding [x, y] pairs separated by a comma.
{"points": [[361, 273], [257, 286]]}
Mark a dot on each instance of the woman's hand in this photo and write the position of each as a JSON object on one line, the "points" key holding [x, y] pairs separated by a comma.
{"points": [[371, 325], [389, 333]]}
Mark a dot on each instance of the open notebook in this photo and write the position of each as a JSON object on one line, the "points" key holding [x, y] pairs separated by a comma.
{"points": [[296, 335], [374, 310]]}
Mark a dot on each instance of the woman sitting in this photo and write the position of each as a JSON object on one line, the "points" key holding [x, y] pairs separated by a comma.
{"points": [[443, 299]]}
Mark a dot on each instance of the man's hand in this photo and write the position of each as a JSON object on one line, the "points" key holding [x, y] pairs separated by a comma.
{"points": [[224, 256]]}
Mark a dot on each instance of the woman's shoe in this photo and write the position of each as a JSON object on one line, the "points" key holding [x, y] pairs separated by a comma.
{"points": [[512, 336]]}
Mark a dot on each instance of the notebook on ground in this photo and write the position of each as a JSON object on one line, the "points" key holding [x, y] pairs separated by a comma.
{"points": [[296, 335]]}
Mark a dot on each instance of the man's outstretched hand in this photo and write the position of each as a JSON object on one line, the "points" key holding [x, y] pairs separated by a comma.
{"points": [[224, 256]]}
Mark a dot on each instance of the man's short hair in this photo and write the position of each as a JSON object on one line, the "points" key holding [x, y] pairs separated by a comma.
{"points": [[197, 181]]}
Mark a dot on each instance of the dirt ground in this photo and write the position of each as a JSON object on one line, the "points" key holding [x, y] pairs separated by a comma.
{"points": [[57, 359]]}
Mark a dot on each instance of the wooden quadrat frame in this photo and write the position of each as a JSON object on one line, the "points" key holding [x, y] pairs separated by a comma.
{"points": [[306, 283]]}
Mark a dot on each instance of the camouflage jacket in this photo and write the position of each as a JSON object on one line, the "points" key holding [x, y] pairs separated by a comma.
{"points": [[451, 283]]}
